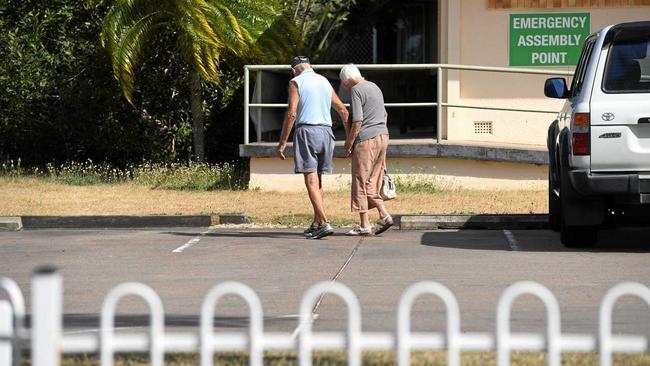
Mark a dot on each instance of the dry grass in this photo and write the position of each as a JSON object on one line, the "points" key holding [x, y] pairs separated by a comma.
{"points": [[371, 359], [33, 196]]}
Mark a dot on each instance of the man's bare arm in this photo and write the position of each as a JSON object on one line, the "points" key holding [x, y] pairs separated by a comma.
{"points": [[289, 119], [342, 110]]}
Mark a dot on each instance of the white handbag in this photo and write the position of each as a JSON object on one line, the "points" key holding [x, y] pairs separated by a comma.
{"points": [[388, 188]]}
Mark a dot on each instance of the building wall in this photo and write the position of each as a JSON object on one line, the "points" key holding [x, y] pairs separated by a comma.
{"points": [[273, 174], [482, 33]]}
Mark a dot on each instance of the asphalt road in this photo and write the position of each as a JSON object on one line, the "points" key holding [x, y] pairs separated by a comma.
{"points": [[182, 264]]}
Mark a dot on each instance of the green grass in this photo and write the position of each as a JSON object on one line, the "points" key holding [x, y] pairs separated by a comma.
{"points": [[190, 177], [83, 174], [182, 177], [369, 359], [417, 183], [194, 177]]}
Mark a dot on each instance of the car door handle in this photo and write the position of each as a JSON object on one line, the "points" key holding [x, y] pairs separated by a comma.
{"points": [[644, 120]]}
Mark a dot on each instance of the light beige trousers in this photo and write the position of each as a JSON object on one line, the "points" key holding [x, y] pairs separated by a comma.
{"points": [[368, 163]]}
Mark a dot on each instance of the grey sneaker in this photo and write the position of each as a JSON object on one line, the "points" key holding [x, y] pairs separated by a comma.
{"points": [[323, 231], [309, 232]]}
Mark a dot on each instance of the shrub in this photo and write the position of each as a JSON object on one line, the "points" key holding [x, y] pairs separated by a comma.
{"points": [[11, 169], [86, 173], [194, 176], [197, 177], [417, 184]]}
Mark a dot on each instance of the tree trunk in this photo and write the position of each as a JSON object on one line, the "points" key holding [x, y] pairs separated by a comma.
{"points": [[197, 117]]}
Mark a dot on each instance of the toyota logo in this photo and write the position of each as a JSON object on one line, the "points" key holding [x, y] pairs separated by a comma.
{"points": [[608, 116]]}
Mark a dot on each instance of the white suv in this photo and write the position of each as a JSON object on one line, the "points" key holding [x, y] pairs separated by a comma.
{"points": [[599, 146]]}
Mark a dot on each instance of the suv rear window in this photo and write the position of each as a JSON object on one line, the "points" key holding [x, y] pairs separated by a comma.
{"points": [[628, 63]]}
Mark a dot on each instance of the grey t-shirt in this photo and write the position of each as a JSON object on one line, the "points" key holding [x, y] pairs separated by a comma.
{"points": [[368, 107]]}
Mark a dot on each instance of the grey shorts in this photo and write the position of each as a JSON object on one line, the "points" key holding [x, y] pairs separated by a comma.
{"points": [[313, 147]]}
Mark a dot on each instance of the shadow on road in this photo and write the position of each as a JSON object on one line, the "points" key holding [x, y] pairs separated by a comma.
{"points": [[621, 240], [244, 234]]}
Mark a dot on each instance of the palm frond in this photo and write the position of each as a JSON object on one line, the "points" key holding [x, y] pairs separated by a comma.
{"points": [[128, 49], [282, 39], [194, 21], [207, 30]]}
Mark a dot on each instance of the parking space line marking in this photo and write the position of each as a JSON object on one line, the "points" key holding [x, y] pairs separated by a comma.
{"points": [[191, 242], [510, 237], [314, 315]]}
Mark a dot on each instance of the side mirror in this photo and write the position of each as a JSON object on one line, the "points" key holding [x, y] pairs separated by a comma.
{"points": [[556, 88]]}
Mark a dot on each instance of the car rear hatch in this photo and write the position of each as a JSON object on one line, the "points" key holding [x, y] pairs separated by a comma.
{"points": [[620, 103]]}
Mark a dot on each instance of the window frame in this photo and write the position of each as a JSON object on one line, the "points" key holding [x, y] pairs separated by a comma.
{"points": [[608, 63], [581, 68]]}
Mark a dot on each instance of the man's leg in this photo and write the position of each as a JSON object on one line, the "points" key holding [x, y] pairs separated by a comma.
{"points": [[315, 191], [321, 191], [322, 198]]}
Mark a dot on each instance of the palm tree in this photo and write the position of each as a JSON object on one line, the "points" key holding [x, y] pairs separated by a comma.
{"points": [[207, 31]]}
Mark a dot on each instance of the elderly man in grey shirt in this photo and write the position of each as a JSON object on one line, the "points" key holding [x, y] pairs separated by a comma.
{"points": [[367, 141]]}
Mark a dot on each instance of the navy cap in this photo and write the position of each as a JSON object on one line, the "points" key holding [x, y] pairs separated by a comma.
{"points": [[299, 60]]}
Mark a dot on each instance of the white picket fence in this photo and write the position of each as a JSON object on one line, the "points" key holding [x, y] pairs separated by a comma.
{"points": [[48, 341]]}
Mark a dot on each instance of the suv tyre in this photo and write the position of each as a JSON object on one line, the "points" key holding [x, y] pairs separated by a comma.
{"points": [[554, 204], [572, 236], [577, 236]]}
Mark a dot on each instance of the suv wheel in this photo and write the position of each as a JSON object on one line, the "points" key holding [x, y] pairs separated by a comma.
{"points": [[554, 205], [577, 236], [572, 236]]}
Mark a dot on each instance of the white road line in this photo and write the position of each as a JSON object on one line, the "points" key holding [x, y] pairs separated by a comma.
{"points": [[314, 315], [295, 333], [510, 237], [191, 242]]}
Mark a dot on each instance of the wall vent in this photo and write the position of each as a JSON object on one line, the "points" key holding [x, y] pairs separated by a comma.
{"points": [[482, 127]]}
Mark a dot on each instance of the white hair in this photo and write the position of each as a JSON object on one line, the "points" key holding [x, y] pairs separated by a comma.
{"points": [[350, 71]]}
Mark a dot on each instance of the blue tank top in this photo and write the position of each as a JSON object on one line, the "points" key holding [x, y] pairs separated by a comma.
{"points": [[315, 99]]}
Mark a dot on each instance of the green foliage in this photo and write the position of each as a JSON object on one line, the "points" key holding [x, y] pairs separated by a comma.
{"points": [[282, 40], [85, 173], [320, 20], [416, 183], [60, 101], [194, 177], [205, 31], [12, 169]]}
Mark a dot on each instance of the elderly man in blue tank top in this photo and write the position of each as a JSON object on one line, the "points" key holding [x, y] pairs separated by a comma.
{"points": [[311, 98]]}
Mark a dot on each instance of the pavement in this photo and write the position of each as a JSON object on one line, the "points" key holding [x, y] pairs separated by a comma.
{"points": [[181, 264]]}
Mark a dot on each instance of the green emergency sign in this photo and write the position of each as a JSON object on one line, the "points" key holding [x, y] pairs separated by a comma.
{"points": [[547, 39]]}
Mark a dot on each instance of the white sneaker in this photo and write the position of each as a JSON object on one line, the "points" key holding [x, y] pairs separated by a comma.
{"points": [[360, 231]]}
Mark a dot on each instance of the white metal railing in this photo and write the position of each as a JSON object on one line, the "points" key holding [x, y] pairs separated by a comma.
{"points": [[438, 67], [48, 341]]}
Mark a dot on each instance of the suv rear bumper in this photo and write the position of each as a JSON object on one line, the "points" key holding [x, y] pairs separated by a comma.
{"points": [[630, 185]]}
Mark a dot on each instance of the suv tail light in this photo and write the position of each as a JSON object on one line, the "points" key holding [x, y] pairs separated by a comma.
{"points": [[580, 141]]}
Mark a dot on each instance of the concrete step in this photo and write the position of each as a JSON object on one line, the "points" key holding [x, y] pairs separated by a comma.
{"points": [[10, 223]]}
